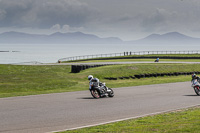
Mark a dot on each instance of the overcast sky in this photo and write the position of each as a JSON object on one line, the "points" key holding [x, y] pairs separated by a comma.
{"points": [[126, 19]]}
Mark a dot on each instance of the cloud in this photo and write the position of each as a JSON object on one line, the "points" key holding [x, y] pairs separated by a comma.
{"points": [[126, 19], [55, 27], [43, 13], [157, 19], [65, 28], [2, 14], [166, 19]]}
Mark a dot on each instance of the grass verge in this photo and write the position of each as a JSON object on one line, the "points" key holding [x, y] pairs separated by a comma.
{"points": [[184, 121]]}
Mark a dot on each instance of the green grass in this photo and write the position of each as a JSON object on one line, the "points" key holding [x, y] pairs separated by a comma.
{"points": [[132, 69], [31, 80], [16, 80], [184, 121]]}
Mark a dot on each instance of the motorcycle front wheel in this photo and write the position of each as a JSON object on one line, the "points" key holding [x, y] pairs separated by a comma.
{"points": [[111, 94], [95, 93], [197, 91]]}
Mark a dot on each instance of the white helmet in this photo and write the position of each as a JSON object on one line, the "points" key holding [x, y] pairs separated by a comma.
{"points": [[90, 77]]}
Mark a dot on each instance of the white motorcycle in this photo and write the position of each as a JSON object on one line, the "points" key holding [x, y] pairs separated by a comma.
{"points": [[99, 90], [196, 86]]}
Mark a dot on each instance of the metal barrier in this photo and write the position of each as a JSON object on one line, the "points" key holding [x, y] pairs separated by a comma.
{"points": [[85, 57]]}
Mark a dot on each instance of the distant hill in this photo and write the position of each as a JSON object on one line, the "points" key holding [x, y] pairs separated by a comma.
{"points": [[65, 38], [168, 38], [82, 38]]}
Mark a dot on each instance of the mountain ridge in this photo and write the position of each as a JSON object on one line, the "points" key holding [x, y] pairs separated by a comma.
{"points": [[167, 38], [57, 37], [83, 38]]}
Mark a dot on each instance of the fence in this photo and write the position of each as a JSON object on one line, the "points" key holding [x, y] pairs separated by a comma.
{"points": [[85, 57]]}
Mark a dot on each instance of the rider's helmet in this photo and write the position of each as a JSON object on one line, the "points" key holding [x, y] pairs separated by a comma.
{"points": [[90, 77], [96, 79], [194, 75]]}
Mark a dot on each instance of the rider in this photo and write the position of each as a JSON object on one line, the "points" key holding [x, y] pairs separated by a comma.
{"points": [[157, 59], [90, 78], [194, 76]]}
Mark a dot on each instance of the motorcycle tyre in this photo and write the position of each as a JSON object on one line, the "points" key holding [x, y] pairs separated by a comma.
{"points": [[197, 91], [111, 94], [95, 93]]}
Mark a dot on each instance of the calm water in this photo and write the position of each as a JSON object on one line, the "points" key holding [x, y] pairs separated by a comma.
{"points": [[50, 53]]}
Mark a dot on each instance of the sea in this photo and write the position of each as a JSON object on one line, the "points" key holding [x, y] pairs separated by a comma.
{"points": [[51, 53]]}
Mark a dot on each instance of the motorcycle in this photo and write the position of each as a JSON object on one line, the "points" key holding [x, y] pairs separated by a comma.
{"points": [[196, 86], [99, 90]]}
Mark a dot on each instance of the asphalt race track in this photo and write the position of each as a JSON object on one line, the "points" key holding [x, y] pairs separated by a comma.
{"points": [[61, 111]]}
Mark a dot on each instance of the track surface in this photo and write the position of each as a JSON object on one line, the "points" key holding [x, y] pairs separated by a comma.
{"points": [[54, 112]]}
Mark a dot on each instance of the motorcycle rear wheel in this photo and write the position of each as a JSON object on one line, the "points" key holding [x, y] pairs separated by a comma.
{"points": [[95, 93], [197, 91]]}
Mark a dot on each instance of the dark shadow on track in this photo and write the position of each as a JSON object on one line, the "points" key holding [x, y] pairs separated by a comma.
{"points": [[92, 98], [190, 95], [86, 98]]}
